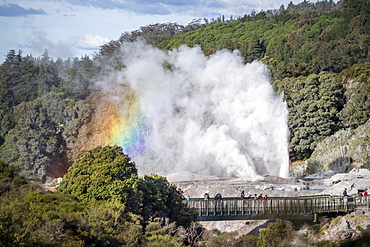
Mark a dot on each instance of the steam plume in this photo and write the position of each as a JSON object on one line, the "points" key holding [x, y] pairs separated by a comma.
{"points": [[201, 115]]}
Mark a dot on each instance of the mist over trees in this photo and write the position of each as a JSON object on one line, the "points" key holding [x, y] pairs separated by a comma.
{"points": [[40, 111]]}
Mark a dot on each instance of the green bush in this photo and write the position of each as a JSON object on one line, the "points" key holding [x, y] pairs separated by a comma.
{"points": [[247, 241], [30, 216], [102, 174], [276, 234], [325, 243], [225, 239], [161, 199], [9, 178]]}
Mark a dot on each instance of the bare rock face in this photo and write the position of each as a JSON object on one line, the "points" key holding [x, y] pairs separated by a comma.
{"points": [[349, 234], [346, 227], [242, 227], [340, 152], [343, 225], [278, 180], [356, 180], [323, 175]]}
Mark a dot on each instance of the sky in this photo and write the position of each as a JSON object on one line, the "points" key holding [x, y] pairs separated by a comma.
{"points": [[75, 28]]}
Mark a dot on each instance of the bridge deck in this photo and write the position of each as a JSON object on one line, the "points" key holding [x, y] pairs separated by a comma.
{"points": [[306, 207]]}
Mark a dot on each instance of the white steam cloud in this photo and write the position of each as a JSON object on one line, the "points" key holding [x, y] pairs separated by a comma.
{"points": [[89, 41], [206, 115]]}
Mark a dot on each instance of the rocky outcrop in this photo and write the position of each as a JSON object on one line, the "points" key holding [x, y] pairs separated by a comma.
{"points": [[242, 227], [338, 153], [346, 227], [356, 180]]}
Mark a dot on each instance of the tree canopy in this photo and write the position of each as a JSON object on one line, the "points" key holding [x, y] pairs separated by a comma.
{"points": [[314, 104], [161, 199], [101, 174]]}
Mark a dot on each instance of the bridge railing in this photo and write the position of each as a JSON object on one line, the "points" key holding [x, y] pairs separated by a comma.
{"points": [[276, 205]]}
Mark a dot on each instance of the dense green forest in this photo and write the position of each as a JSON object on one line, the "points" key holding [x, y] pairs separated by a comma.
{"points": [[318, 56]]}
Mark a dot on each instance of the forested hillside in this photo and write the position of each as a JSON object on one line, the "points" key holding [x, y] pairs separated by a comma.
{"points": [[292, 44], [318, 55]]}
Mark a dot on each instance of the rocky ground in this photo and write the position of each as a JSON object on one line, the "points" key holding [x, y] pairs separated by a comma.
{"points": [[242, 227]]}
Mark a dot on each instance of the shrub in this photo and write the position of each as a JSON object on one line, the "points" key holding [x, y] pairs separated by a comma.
{"points": [[279, 233], [247, 241], [102, 174]]}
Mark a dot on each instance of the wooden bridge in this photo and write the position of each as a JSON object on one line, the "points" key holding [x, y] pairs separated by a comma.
{"points": [[291, 208]]}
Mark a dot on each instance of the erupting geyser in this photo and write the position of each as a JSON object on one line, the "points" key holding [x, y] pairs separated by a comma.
{"points": [[186, 113]]}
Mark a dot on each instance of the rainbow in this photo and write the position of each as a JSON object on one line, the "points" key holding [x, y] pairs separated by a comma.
{"points": [[126, 126]]}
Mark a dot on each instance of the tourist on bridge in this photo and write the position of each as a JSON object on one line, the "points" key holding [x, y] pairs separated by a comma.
{"points": [[365, 196], [345, 192], [255, 197], [206, 196], [218, 197], [242, 195], [260, 196], [345, 195]]}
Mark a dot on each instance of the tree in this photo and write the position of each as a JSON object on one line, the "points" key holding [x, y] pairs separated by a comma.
{"points": [[37, 142], [9, 177], [276, 234], [102, 174], [314, 103], [191, 234], [356, 82], [78, 78], [225, 239], [18, 80], [161, 199], [254, 49]]}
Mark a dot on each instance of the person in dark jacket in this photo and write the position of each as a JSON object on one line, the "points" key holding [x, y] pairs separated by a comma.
{"points": [[242, 195], [345, 192]]}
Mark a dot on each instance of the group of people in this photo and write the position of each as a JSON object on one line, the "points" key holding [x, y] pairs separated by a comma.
{"points": [[360, 193], [242, 195], [217, 196]]}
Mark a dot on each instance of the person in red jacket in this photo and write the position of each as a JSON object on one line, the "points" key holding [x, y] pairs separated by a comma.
{"points": [[365, 197]]}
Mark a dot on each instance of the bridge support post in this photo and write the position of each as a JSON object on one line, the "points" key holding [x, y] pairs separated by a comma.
{"points": [[315, 217]]}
